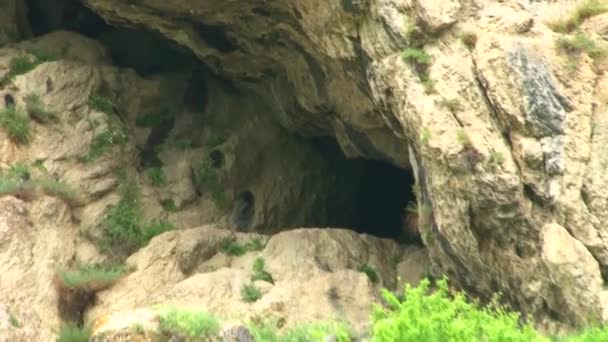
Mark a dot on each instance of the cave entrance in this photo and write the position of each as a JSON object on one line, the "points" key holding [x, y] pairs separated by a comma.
{"points": [[377, 195]]}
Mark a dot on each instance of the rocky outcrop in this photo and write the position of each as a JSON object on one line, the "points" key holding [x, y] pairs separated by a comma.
{"points": [[505, 137]]}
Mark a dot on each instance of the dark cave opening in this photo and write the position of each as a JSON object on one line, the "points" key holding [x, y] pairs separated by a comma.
{"points": [[380, 194]]}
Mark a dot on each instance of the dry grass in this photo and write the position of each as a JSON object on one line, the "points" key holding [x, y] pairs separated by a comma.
{"points": [[582, 12]]}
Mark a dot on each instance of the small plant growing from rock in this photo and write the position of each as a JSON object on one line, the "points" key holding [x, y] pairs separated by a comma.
{"points": [[37, 109], [19, 172], [580, 43], [495, 159], [463, 138], [425, 136], [169, 205], [187, 324], [370, 272], [214, 140], [101, 103], [157, 177], [76, 287], [582, 12], [232, 247], [250, 293], [16, 125], [73, 333], [58, 188], [414, 54], [164, 115], [18, 66], [469, 39], [453, 105], [13, 320], [259, 273], [184, 144], [207, 179]]}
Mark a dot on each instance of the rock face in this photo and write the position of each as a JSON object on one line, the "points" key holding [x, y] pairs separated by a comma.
{"points": [[506, 143], [314, 275]]}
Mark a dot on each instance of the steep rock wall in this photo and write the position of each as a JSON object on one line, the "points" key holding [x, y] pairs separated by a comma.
{"points": [[507, 141]]}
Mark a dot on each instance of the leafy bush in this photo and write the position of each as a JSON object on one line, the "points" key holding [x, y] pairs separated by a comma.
{"points": [[123, 227], [582, 12], [416, 55], [157, 177], [370, 272], [250, 293], [580, 43], [91, 277], [267, 331], [169, 205], [439, 317], [37, 109], [232, 247], [259, 273], [74, 333], [101, 103], [16, 124], [194, 325], [469, 39], [463, 138], [19, 171]]}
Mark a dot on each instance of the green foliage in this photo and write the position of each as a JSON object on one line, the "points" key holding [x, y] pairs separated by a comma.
{"points": [[495, 159], [250, 293], [580, 43], [425, 136], [259, 273], [74, 333], [16, 124], [123, 227], [19, 171], [416, 55], [370, 272], [103, 141], [91, 277], [439, 317], [232, 247], [13, 320], [469, 39], [427, 82], [463, 138], [592, 334], [41, 56], [207, 179], [453, 105], [169, 205], [267, 331], [37, 109], [58, 188], [582, 12], [157, 177], [17, 66], [101, 104], [162, 116], [194, 325]]}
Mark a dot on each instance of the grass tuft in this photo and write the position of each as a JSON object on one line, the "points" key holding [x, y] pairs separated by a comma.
{"points": [[191, 325], [91, 278], [232, 247], [101, 104], [580, 43], [469, 39], [584, 11], [268, 331], [16, 125], [259, 273], [73, 333], [157, 177], [250, 293], [370, 272]]}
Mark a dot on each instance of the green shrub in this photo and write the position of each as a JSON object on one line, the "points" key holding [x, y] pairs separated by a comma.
{"points": [[495, 159], [169, 205], [582, 12], [592, 334], [463, 138], [425, 136], [19, 171], [580, 43], [259, 273], [268, 331], [103, 141], [438, 317], [18, 66], [469, 39], [101, 103], [370, 272], [123, 227], [416, 55], [74, 333], [453, 105], [157, 177], [57, 188], [13, 320], [37, 109], [250, 293], [91, 277], [232, 247], [16, 125], [194, 325]]}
